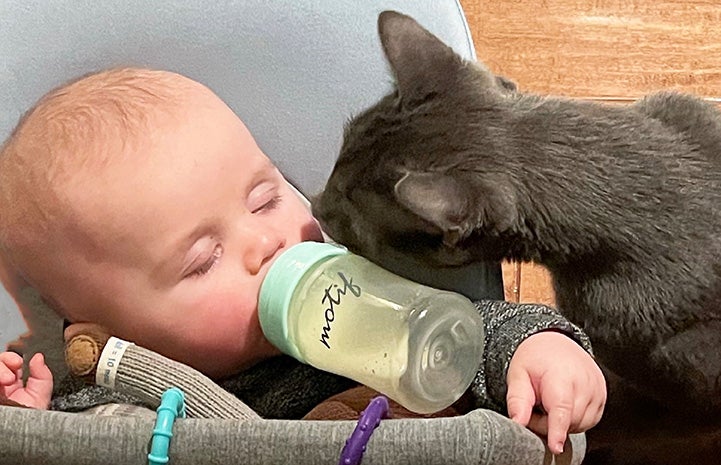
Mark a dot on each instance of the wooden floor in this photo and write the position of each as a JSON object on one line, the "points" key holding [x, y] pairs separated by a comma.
{"points": [[606, 50]]}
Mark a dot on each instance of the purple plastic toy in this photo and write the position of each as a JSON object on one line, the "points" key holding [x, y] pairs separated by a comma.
{"points": [[369, 420]]}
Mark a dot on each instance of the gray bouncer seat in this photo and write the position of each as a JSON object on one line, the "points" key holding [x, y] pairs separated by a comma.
{"points": [[294, 71]]}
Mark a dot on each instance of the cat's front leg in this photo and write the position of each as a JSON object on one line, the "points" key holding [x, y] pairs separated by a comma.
{"points": [[691, 361], [675, 417]]}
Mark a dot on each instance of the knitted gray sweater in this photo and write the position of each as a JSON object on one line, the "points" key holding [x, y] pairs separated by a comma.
{"points": [[286, 389]]}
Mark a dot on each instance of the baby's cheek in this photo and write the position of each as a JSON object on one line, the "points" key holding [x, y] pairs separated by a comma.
{"points": [[227, 330], [297, 221], [311, 231], [305, 227], [226, 319]]}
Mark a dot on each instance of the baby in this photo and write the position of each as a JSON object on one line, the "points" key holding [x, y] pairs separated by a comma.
{"points": [[137, 200]]}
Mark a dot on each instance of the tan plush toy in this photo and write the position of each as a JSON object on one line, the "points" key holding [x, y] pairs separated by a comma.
{"points": [[97, 358]]}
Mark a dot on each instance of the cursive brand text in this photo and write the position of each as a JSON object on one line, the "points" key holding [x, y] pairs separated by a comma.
{"points": [[332, 300]]}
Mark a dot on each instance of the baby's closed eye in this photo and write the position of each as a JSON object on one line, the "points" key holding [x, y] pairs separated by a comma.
{"points": [[265, 196], [268, 205], [204, 262]]}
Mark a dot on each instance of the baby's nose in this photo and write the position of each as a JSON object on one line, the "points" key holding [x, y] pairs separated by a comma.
{"points": [[261, 247]]}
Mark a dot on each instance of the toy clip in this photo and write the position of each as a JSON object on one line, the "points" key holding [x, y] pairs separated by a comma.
{"points": [[369, 420], [172, 405]]}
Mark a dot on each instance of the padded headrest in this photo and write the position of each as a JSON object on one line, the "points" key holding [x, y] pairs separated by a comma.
{"points": [[294, 71]]}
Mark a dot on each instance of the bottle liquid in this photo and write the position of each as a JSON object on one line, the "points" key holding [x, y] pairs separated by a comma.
{"points": [[341, 313]]}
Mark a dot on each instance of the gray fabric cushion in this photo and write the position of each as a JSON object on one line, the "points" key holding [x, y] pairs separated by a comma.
{"points": [[481, 437]]}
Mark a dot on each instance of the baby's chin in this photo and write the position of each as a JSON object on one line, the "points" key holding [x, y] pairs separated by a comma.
{"points": [[240, 357], [220, 369]]}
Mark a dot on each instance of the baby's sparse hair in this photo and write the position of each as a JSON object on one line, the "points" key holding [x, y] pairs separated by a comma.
{"points": [[77, 128]]}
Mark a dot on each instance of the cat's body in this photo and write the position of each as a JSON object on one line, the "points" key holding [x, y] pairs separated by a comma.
{"points": [[621, 203]]}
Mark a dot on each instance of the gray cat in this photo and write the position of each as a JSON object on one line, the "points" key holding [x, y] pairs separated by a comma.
{"points": [[621, 203]]}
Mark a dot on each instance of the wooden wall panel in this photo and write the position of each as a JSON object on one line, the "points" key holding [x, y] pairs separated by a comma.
{"points": [[533, 284], [611, 50]]}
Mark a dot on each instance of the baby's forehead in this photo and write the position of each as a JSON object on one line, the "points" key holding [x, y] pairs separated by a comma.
{"points": [[101, 127]]}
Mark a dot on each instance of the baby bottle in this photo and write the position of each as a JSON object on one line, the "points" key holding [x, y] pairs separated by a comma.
{"points": [[341, 313]]}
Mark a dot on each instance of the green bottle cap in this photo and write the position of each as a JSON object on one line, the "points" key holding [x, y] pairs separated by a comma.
{"points": [[279, 285]]}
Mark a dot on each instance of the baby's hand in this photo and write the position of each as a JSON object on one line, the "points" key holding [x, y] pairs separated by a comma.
{"points": [[39, 387], [551, 371]]}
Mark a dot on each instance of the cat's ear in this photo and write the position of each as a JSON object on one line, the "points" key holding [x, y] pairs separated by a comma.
{"points": [[420, 61], [456, 204]]}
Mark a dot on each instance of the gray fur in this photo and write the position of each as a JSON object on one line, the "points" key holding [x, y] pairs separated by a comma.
{"points": [[621, 203]]}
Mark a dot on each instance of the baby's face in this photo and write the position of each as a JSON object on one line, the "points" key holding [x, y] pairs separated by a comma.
{"points": [[174, 244]]}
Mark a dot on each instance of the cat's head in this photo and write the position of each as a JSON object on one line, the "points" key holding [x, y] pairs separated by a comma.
{"points": [[407, 177]]}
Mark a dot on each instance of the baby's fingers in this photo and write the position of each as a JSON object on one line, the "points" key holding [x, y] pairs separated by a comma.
{"points": [[38, 369], [520, 396], [10, 368], [558, 401], [40, 381], [591, 416], [589, 406]]}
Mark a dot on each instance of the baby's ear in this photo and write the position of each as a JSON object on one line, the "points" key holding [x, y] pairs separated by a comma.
{"points": [[419, 60], [457, 204]]}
